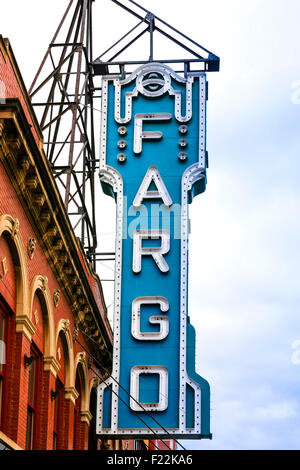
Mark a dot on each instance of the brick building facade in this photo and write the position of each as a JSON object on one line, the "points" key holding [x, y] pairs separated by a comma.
{"points": [[52, 311], [55, 338]]}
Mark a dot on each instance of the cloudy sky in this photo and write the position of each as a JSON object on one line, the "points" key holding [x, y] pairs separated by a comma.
{"points": [[244, 266]]}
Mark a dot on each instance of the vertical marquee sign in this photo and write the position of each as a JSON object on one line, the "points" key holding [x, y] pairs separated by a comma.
{"points": [[153, 162]]}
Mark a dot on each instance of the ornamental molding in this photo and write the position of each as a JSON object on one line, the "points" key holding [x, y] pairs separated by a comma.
{"points": [[25, 326], [56, 297], [86, 417], [52, 365], [71, 394], [65, 325], [33, 183]]}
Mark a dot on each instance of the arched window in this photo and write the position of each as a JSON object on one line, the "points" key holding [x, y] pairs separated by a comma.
{"points": [[3, 356], [58, 408], [34, 369], [77, 409], [36, 392], [93, 441], [13, 296]]}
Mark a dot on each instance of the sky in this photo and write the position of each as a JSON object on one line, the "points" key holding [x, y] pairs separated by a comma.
{"points": [[244, 256]]}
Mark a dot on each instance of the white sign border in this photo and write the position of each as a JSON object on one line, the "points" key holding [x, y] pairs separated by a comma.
{"points": [[111, 176]]}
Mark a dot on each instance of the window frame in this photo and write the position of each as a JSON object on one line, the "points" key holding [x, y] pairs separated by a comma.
{"points": [[32, 407], [93, 440], [3, 373], [77, 409], [58, 407]]}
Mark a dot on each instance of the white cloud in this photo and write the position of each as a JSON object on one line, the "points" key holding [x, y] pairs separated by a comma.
{"points": [[277, 411]]}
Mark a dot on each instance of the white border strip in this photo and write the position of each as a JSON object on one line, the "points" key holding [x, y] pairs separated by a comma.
{"points": [[191, 175]]}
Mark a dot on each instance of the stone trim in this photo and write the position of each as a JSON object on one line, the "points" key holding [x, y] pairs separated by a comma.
{"points": [[71, 394], [60, 242], [85, 417], [9, 441], [24, 325], [52, 365]]}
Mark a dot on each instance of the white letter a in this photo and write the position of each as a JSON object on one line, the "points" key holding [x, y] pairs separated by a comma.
{"points": [[144, 193]]}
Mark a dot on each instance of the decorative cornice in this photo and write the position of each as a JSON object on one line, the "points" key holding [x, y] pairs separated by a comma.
{"points": [[31, 176], [65, 325], [2, 127], [56, 297], [15, 228], [75, 332], [31, 247], [82, 357], [94, 383], [44, 283]]}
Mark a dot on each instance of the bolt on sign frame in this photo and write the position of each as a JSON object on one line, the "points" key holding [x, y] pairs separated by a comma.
{"points": [[153, 161]]}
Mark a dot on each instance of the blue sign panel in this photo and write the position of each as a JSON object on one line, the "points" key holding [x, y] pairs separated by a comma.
{"points": [[153, 162]]}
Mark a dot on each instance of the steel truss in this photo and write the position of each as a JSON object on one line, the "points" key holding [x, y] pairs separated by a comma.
{"points": [[63, 94], [197, 58]]}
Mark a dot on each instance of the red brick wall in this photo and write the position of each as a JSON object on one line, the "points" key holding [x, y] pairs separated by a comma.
{"points": [[8, 282], [16, 391], [17, 377], [10, 204], [12, 86], [67, 423]]}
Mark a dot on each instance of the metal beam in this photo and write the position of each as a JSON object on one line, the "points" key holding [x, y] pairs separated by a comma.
{"points": [[69, 137]]}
